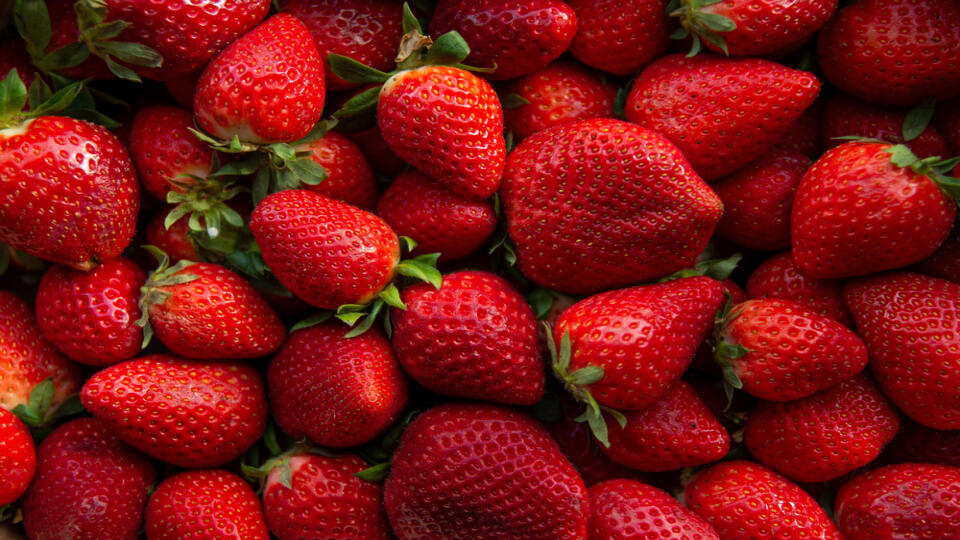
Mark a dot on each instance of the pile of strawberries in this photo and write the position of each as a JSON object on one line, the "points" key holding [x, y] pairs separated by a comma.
{"points": [[479, 269]]}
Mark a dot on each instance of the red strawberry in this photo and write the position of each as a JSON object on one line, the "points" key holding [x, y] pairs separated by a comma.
{"points": [[922, 61], [18, 458], [337, 391], [703, 359], [474, 338], [438, 219], [323, 498], [825, 435], [349, 177], [188, 413], [517, 38], [804, 135], [918, 443], [265, 87], [382, 159], [632, 510], [163, 148], [675, 432], [183, 89], [911, 327], [912, 500], [175, 240], [91, 316], [600, 204], [482, 471], [86, 171], [89, 484], [944, 263], [777, 277], [13, 55], [741, 499], [733, 109], [786, 350], [560, 93], [947, 119], [846, 115], [758, 198], [619, 36], [205, 505]]}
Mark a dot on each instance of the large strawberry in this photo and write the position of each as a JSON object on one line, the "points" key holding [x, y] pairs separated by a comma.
{"points": [[629, 509], [466, 471], [911, 326], [18, 458], [846, 116], [600, 204], [620, 37], [734, 109], [164, 149], [187, 413], [777, 277]]}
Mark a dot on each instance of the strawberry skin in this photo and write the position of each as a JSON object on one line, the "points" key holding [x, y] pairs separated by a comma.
{"points": [[349, 177], [618, 36], [326, 252], [205, 505], [265, 87], [18, 457], [474, 338], [733, 109], [163, 148], [944, 263], [918, 443], [630, 509], [337, 391], [188, 413], [846, 115], [175, 241], [601, 204], [466, 470], [778, 277], [448, 123], [82, 167]]}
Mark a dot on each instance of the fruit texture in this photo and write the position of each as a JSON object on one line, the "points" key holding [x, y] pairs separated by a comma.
{"points": [[18, 457], [164, 149], [349, 177], [620, 37], [846, 116], [629, 509], [778, 277]]}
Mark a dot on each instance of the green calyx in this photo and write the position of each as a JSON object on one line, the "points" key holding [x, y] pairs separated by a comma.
{"points": [[699, 24], [725, 351], [718, 269], [935, 168], [204, 200], [917, 120], [39, 414], [14, 97], [152, 292]]}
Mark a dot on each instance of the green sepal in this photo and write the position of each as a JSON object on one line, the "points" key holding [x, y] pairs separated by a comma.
{"points": [[4, 258], [35, 412], [317, 132], [448, 49], [699, 24], [270, 440], [586, 375], [32, 20], [901, 155], [364, 102], [13, 94], [312, 320], [918, 119], [353, 71], [410, 21], [391, 297], [376, 473], [541, 301], [718, 269], [152, 292], [513, 101], [423, 268], [407, 244], [367, 320]]}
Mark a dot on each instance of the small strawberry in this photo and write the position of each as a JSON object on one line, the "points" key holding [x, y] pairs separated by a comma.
{"points": [[734, 109], [205, 505], [182, 89], [188, 413], [846, 116], [164, 149], [349, 177], [620, 37], [778, 277], [918, 443], [18, 458], [632, 510], [173, 240], [944, 263]]}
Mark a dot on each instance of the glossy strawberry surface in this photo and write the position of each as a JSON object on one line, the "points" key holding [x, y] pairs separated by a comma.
{"points": [[164, 149], [349, 177], [778, 277], [18, 457], [768, 27], [620, 37], [847, 116], [629, 509]]}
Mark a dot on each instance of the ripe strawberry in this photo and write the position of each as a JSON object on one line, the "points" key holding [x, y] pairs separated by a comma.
{"points": [[837, 226], [600, 204], [474, 338], [629, 509], [911, 327], [91, 316], [780, 350], [675, 432], [912, 500], [448, 123], [466, 470], [183, 89], [804, 135], [922, 61], [758, 198], [164, 149], [13, 55], [620, 37], [846, 115], [703, 359], [516, 38], [560, 93], [777, 277], [18, 458], [188, 413], [175, 240], [735, 109], [740, 499], [265, 87], [89, 484], [337, 391], [918, 443], [349, 177], [944, 263], [382, 159], [323, 498], [205, 505]]}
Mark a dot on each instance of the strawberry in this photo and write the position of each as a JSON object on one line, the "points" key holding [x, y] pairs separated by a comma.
{"points": [[735, 109], [846, 116], [13, 55], [629, 509], [675, 432], [514, 38], [173, 240], [912, 500], [918, 443], [703, 359], [440, 220], [323, 498], [923, 61], [265, 87], [183, 89], [911, 328], [164, 149], [947, 119], [944, 263], [337, 391], [474, 338], [560, 93], [349, 177], [600, 204], [740, 499], [18, 458], [778, 277], [188, 413], [758, 198], [382, 159], [837, 226], [482, 471], [804, 135], [91, 316], [825, 435], [780, 350], [205, 505], [620, 37], [89, 484]]}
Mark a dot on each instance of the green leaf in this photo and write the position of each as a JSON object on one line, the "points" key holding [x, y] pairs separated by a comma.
{"points": [[377, 473], [448, 49], [104, 31], [540, 301], [312, 320], [352, 71], [270, 440], [285, 476], [350, 317], [918, 119], [120, 71], [70, 407], [565, 351], [360, 103], [317, 132], [731, 351], [620, 102], [586, 375], [367, 321], [132, 53], [407, 244], [901, 156], [307, 171], [695, 46], [60, 100], [13, 94], [391, 296], [70, 55], [716, 22], [617, 415], [680, 33], [33, 23], [513, 101], [596, 422], [39, 92], [261, 185], [419, 269], [410, 21]]}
